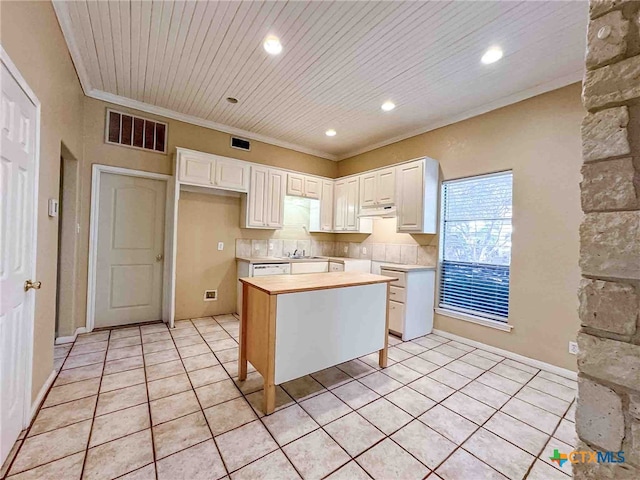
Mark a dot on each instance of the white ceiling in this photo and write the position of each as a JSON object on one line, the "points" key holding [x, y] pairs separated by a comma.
{"points": [[340, 61]]}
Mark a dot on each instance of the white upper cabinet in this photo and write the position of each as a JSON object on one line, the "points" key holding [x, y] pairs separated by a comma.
{"points": [[264, 204], [326, 206], [351, 214], [303, 186], [312, 186], [417, 199], [295, 185], [386, 187], [203, 169], [368, 189], [275, 199], [340, 205], [196, 168], [232, 174], [378, 188]]}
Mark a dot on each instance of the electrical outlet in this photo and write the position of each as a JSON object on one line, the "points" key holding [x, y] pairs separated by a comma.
{"points": [[220, 245], [346, 249], [364, 250], [270, 246], [573, 348], [210, 295]]}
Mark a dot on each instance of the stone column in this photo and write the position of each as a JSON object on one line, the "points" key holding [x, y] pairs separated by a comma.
{"points": [[608, 412]]}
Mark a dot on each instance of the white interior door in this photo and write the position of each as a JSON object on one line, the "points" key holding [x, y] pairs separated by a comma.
{"points": [[18, 170], [130, 250]]}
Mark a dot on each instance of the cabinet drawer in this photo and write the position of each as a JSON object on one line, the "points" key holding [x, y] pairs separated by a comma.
{"points": [[397, 294], [401, 276], [396, 317]]}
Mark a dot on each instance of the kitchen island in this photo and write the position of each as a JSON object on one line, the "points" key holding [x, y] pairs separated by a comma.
{"points": [[294, 325]]}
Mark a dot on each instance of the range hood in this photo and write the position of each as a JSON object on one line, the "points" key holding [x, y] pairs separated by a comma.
{"points": [[378, 212]]}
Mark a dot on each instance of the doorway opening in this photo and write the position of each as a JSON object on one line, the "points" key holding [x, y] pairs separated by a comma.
{"points": [[68, 226]]}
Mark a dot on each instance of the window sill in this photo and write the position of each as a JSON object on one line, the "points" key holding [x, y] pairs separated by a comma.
{"points": [[505, 327]]}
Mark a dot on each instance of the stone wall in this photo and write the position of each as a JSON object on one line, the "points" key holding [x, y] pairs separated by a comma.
{"points": [[608, 412]]}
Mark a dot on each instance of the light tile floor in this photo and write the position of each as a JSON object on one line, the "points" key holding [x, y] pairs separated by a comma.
{"points": [[146, 403]]}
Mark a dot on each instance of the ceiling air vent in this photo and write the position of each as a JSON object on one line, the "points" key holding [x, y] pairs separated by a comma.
{"points": [[135, 132], [240, 143]]}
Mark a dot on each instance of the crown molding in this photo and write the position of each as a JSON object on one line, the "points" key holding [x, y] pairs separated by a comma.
{"points": [[165, 112], [64, 20], [474, 112]]}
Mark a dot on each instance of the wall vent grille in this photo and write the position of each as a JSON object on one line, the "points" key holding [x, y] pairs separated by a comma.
{"points": [[240, 143], [135, 132]]}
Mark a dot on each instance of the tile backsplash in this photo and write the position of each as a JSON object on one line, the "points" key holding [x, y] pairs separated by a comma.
{"points": [[378, 252]]}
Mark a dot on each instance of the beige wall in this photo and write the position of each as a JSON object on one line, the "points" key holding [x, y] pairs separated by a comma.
{"points": [[30, 34], [199, 266], [539, 139]]}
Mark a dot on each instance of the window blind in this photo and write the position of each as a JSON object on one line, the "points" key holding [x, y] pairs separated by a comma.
{"points": [[476, 250]]}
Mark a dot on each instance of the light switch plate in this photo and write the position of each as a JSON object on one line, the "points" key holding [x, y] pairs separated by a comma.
{"points": [[220, 245], [53, 207]]}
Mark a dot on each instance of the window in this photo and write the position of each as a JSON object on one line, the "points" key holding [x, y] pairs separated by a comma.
{"points": [[476, 246]]}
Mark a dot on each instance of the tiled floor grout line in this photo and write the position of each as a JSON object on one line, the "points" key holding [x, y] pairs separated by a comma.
{"points": [[146, 385], [95, 408], [35, 416], [193, 389], [326, 389]]}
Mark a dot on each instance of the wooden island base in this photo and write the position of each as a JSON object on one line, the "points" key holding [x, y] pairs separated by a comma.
{"points": [[294, 325]]}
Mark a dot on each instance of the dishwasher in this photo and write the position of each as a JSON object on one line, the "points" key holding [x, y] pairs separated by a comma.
{"points": [[246, 269]]}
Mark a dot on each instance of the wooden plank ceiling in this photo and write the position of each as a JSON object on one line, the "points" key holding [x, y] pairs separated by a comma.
{"points": [[340, 62]]}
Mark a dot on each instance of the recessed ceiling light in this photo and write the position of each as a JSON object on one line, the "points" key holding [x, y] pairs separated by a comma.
{"points": [[232, 100], [330, 133], [272, 45], [388, 106], [492, 55]]}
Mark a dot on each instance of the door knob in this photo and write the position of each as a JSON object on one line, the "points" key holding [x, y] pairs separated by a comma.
{"points": [[159, 257], [28, 285]]}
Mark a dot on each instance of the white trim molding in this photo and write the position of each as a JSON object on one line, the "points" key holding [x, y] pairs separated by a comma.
{"points": [[201, 122], [28, 383], [41, 395], [96, 172], [532, 362], [70, 338], [485, 322]]}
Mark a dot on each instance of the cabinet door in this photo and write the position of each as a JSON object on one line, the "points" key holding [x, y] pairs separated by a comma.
{"points": [[232, 175], [295, 185], [351, 214], [326, 207], [275, 198], [257, 197], [312, 187], [368, 189], [196, 169], [386, 187], [396, 317], [410, 196], [340, 210]]}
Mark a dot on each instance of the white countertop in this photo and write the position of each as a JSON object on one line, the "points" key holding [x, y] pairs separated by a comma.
{"points": [[405, 268], [388, 266]]}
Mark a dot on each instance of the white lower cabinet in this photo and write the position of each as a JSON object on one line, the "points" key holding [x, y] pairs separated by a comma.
{"points": [[309, 267], [411, 299], [396, 317]]}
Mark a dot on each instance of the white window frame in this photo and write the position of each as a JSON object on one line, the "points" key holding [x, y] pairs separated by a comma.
{"points": [[457, 314]]}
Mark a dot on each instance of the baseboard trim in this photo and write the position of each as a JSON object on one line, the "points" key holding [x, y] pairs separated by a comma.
{"points": [[563, 372], [41, 394], [71, 338]]}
